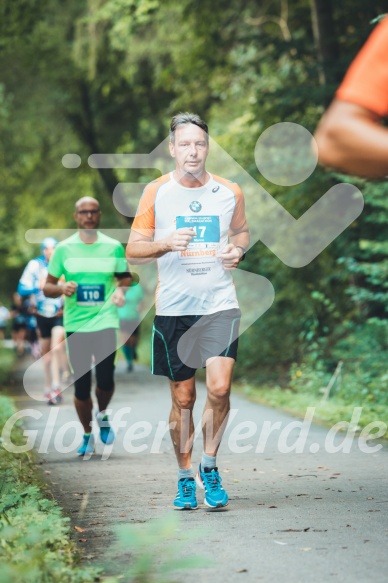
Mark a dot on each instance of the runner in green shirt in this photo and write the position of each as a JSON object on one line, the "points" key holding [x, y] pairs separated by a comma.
{"points": [[130, 322], [90, 262]]}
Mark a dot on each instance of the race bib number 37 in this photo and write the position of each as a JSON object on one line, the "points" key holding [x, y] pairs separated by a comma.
{"points": [[90, 295], [207, 228]]}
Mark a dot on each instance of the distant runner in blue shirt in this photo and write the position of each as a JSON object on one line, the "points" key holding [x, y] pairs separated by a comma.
{"points": [[49, 315]]}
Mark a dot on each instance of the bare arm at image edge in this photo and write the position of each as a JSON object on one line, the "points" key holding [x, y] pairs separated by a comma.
{"points": [[351, 137]]}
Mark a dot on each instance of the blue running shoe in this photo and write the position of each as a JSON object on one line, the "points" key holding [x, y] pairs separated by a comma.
{"points": [[87, 446], [185, 498], [210, 480], [106, 432]]}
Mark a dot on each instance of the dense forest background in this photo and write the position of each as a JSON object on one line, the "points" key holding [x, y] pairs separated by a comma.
{"points": [[90, 76]]}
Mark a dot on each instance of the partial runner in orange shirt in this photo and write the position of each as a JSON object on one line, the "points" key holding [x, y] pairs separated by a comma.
{"points": [[350, 136]]}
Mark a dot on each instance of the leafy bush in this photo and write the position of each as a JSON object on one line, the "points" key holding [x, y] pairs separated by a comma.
{"points": [[34, 535], [158, 550], [362, 380], [7, 359]]}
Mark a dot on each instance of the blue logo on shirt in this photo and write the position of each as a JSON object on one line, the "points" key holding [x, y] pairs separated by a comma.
{"points": [[195, 206]]}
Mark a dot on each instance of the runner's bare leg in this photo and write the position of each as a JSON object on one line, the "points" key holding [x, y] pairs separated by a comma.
{"points": [[84, 410], [103, 398], [215, 416], [57, 346], [47, 358], [183, 395]]}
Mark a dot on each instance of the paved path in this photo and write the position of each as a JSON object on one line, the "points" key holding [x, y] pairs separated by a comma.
{"points": [[295, 517]]}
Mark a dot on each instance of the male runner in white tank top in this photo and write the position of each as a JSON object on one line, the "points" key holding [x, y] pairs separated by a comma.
{"points": [[193, 223]]}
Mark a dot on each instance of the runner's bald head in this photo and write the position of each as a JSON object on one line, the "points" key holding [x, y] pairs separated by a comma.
{"points": [[86, 199]]}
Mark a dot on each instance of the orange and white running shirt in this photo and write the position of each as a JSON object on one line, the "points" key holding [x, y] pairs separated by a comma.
{"points": [[194, 281]]}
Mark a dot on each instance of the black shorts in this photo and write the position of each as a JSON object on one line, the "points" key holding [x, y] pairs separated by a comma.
{"points": [[45, 325], [19, 325], [181, 344], [82, 347]]}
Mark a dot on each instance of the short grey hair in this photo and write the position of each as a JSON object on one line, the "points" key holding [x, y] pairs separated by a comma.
{"points": [[186, 118], [86, 199]]}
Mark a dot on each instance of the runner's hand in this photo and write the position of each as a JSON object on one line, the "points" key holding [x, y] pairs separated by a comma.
{"points": [[69, 288], [118, 297], [230, 256], [180, 239]]}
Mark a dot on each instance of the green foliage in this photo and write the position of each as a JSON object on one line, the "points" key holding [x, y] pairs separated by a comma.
{"points": [[369, 264], [365, 378], [327, 412], [7, 360], [6, 410], [18, 19], [362, 382], [34, 535], [158, 550]]}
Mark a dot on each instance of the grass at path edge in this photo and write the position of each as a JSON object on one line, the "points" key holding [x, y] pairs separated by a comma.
{"points": [[35, 545], [327, 412]]}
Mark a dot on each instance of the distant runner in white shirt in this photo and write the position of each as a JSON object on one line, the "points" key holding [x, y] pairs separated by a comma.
{"points": [[194, 224], [49, 316]]}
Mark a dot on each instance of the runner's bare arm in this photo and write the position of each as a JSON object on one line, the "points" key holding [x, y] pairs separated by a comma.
{"points": [[351, 138], [240, 237], [143, 249], [54, 288], [238, 244]]}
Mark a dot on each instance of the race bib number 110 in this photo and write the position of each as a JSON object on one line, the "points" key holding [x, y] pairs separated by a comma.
{"points": [[90, 295]]}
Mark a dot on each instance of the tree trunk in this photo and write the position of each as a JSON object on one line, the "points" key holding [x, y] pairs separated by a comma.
{"points": [[84, 126], [325, 39]]}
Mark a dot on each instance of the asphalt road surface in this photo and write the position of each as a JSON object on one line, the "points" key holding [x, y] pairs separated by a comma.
{"points": [[314, 514]]}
